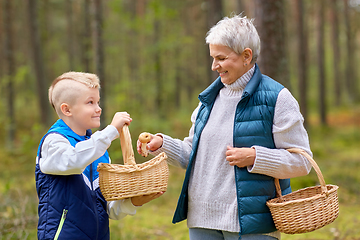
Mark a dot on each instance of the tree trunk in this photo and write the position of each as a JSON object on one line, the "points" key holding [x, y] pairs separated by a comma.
{"points": [[133, 54], [336, 52], [350, 67], [302, 61], [70, 34], [9, 56], [240, 7], [37, 54], [270, 19], [321, 64], [86, 37], [214, 14], [157, 61], [2, 53], [99, 55], [178, 85]]}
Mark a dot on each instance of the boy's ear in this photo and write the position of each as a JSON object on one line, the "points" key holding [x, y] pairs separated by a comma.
{"points": [[65, 109]]}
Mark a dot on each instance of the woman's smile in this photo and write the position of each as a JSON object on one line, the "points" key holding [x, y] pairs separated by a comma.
{"points": [[222, 73]]}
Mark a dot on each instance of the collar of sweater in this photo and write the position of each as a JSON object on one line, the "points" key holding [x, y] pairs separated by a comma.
{"points": [[236, 88]]}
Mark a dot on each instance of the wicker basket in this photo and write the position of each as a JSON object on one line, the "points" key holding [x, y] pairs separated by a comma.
{"points": [[131, 179], [307, 209]]}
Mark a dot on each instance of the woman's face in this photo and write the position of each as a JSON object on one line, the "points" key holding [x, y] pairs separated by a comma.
{"points": [[228, 64]]}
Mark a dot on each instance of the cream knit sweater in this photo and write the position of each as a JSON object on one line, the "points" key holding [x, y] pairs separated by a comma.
{"points": [[212, 191]]}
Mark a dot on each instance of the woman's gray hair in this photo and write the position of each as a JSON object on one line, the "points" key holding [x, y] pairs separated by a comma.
{"points": [[237, 33]]}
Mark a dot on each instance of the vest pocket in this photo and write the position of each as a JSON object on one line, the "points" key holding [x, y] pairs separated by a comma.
{"points": [[62, 220]]}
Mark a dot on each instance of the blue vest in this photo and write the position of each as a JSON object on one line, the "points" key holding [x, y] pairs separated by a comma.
{"points": [[68, 196], [252, 126]]}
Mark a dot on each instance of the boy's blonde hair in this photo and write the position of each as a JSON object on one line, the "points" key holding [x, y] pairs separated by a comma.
{"points": [[65, 88]]}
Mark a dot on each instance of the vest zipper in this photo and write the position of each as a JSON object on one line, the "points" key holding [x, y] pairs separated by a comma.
{"points": [[62, 220], [93, 196]]}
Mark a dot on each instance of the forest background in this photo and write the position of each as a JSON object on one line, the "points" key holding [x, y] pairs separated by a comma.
{"points": [[152, 61]]}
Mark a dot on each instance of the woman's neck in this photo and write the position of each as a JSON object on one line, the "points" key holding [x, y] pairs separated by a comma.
{"points": [[239, 85]]}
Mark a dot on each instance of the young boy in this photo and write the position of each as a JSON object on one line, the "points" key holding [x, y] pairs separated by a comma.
{"points": [[71, 205]]}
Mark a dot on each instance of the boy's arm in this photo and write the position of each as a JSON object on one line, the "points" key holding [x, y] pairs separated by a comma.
{"points": [[120, 208], [59, 157]]}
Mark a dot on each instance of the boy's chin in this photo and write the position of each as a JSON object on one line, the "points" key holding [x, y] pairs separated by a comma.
{"points": [[96, 125]]}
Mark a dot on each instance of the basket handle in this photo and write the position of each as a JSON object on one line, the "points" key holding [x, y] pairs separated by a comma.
{"points": [[126, 146], [314, 165]]}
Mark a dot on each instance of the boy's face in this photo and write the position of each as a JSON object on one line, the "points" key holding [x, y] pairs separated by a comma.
{"points": [[86, 110]]}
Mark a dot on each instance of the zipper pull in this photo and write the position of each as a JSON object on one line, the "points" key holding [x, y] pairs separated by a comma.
{"points": [[62, 220], [64, 214]]}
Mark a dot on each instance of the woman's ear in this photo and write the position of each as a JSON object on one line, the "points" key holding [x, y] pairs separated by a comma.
{"points": [[248, 55], [65, 109]]}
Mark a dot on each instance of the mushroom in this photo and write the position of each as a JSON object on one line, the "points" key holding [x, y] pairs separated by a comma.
{"points": [[144, 138]]}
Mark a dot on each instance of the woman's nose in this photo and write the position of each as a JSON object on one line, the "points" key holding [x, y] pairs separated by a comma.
{"points": [[215, 65]]}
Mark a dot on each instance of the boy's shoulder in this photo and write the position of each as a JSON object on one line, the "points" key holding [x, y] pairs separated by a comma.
{"points": [[60, 133]]}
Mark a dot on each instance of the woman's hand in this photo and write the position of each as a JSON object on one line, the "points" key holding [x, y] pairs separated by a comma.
{"points": [[241, 157], [154, 144], [141, 200]]}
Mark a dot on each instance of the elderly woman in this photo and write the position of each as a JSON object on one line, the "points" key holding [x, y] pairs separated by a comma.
{"points": [[237, 144]]}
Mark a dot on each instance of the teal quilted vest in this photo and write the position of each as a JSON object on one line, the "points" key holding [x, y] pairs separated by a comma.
{"points": [[252, 126]]}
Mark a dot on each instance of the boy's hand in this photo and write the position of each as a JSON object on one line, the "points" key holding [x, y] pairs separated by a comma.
{"points": [[120, 119], [141, 200], [155, 143]]}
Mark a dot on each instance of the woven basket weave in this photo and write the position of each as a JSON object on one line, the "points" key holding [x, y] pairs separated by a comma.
{"points": [[307, 209], [131, 179]]}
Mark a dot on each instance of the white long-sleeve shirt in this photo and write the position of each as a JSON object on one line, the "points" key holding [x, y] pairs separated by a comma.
{"points": [[59, 157]]}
